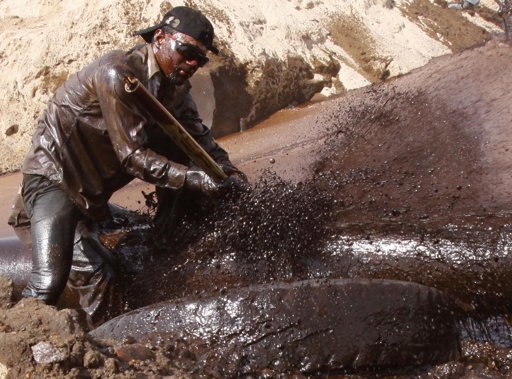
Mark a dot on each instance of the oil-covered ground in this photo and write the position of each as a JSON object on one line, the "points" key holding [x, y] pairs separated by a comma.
{"points": [[407, 180]]}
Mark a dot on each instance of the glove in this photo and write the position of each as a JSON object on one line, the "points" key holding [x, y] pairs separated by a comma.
{"points": [[199, 181], [235, 183]]}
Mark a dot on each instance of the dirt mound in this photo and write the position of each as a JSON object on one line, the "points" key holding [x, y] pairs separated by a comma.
{"points": [[39, 341]]}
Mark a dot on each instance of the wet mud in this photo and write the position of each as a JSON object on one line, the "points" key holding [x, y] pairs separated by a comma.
{"points": [[408, 180]]}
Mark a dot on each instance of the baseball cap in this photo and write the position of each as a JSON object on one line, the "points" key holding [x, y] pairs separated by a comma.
{"points": [[185, 20]]}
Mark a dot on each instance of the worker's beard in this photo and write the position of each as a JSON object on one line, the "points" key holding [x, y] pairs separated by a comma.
{"points": [[180, 75]]}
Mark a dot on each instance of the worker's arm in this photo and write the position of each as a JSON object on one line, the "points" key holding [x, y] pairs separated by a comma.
{"points": [[185, 110], [125, 122]]}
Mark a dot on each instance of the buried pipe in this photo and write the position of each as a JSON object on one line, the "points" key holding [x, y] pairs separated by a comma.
{"points": [[289, 318], [306, 326], [396, 321], [15, 263]]}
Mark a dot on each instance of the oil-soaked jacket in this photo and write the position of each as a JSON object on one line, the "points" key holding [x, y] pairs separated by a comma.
{"points": [[94, 138]]}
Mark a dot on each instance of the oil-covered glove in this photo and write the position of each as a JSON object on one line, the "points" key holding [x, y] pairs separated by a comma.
{"points": [[235, 183], [199, 181], [236, 180]]}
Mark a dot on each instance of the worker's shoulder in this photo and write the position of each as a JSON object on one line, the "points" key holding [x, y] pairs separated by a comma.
{"points": [[114, 62], [106, 73]]}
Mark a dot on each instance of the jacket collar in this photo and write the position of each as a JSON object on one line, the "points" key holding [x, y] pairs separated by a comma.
{"points": [[153, 67], [147, 58], [152, 76]]}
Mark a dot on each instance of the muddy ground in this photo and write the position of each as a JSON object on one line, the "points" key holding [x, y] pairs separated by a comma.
{"points": [[421, 160]]}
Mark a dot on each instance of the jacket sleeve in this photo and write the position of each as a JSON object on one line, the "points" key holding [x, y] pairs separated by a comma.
{"points": [[125, 121], [185, 110]]}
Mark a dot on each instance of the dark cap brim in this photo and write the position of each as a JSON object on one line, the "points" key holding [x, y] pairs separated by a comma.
{"points": [[147, 35], [213, 49]]}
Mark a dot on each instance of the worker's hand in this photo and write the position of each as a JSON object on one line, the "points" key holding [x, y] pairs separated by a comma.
{"points": [[199, 181]]}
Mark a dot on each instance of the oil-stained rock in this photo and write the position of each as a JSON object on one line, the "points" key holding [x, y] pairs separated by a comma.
{"points": [[45, 352]]}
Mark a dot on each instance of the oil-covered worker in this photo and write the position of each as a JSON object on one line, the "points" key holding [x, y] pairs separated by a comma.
{"points": [[94, 138]]}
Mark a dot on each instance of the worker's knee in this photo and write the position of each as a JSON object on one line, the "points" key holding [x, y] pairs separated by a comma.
{"points": [[46, 286]]}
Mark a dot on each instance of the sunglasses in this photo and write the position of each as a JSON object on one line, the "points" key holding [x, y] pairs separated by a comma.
{"points": [[191, 52]]}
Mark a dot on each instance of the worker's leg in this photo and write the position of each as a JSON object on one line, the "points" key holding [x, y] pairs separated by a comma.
{"points": [[53, 220], [91, 270]]}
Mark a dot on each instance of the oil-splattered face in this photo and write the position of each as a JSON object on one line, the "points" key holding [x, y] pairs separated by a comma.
{"points": [[178, 55]]}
